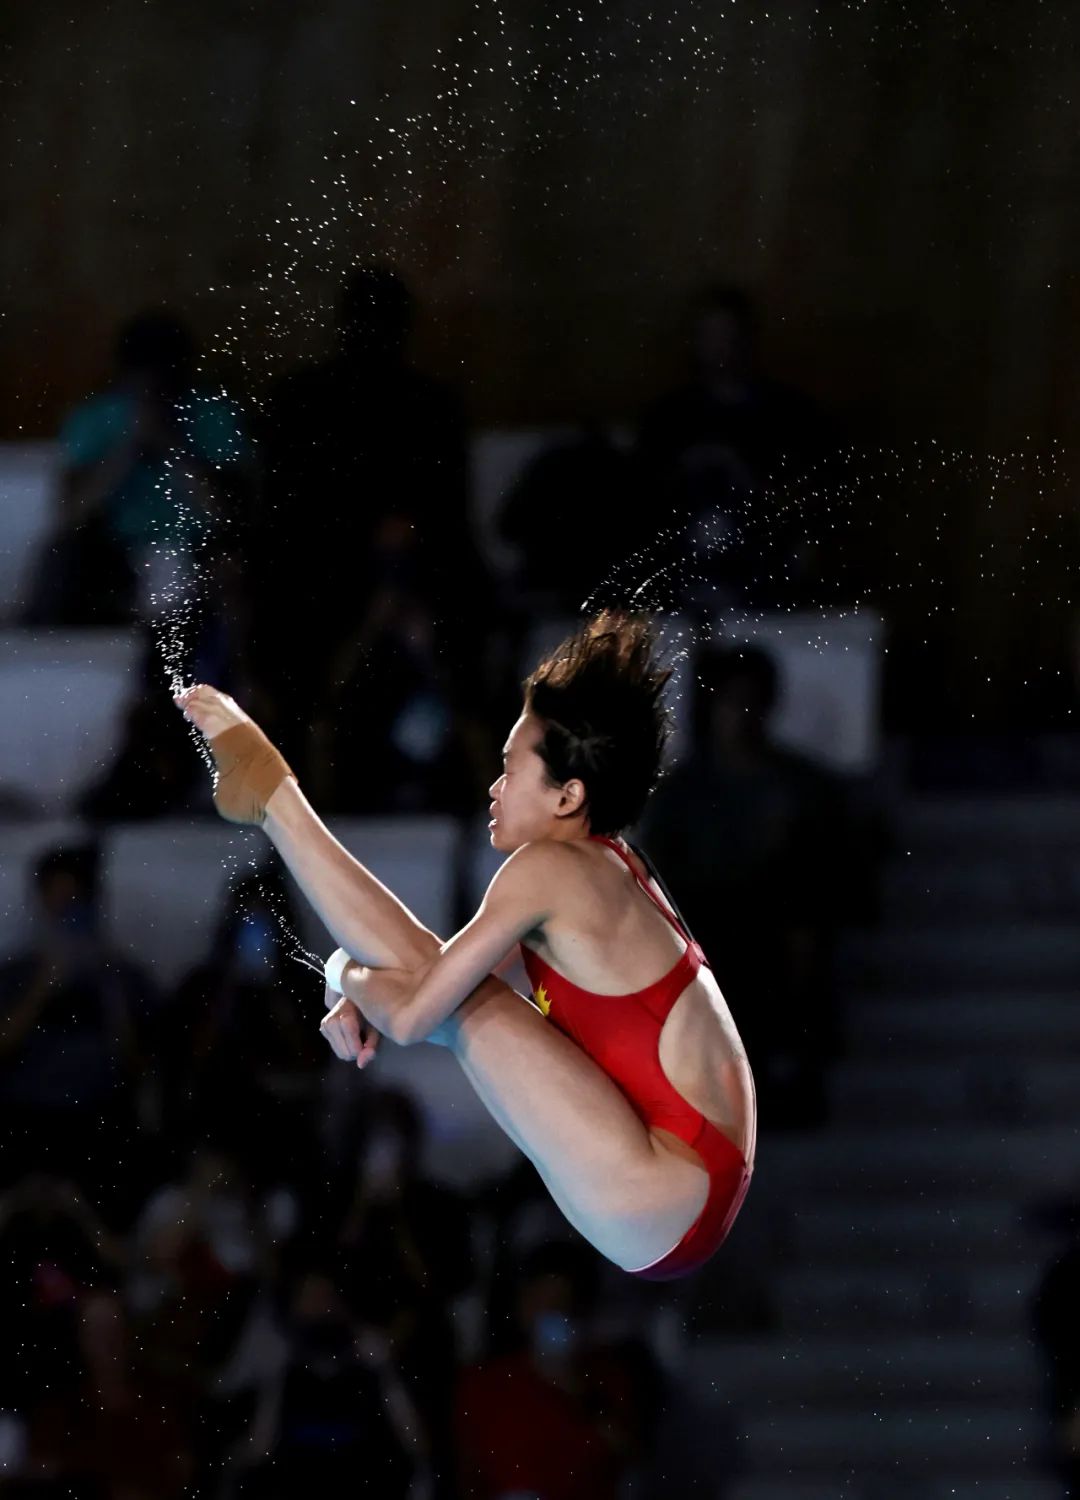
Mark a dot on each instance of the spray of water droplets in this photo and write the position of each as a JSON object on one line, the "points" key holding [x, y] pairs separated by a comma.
{"points": [[406, 180]]}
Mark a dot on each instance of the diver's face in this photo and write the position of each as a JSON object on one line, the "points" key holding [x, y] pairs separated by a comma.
{"points": [[524, 803]]}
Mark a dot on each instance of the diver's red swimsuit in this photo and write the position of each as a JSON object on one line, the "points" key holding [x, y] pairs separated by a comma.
{"points": [[622, 1034]]}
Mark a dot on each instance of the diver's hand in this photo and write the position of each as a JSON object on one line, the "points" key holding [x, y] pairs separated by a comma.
{"points": [[352, 1038]]}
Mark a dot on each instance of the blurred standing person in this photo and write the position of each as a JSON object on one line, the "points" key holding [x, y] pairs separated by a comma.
{"points": [[711, 447], [389, 671], [585, 487], [236, 1061], [75, 1023], [332, 1415], [757, 833], [150, 467], [366, 459]]}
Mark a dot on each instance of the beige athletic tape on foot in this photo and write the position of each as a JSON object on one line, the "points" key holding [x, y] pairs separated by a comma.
{"points": [[250, 771]]}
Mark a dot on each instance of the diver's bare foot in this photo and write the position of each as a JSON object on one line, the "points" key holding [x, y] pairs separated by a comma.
{"points": [[209, 709]]}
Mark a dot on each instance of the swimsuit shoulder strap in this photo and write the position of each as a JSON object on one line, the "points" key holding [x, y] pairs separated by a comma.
{"points": [[675, 920]]}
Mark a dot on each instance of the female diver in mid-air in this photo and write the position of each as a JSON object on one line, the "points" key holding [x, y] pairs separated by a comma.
{"points": [[625, 1082]]}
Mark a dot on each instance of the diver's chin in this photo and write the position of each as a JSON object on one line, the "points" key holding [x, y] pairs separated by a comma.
{"points": [[499, 838]]}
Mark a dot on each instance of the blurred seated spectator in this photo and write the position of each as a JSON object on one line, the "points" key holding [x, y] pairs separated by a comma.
{"points": [[564, 1413], [94, 1424], [332, 1416], [577, 512], [76, 1020], [241, 1060], [366, 496], [214, 1200], [206, 1256], [723, 452], [751, 838], [150, 467], [55, 1252], [405, 1246]]}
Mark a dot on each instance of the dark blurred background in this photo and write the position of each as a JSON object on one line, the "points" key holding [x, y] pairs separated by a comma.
{"points": [[347, 352]]}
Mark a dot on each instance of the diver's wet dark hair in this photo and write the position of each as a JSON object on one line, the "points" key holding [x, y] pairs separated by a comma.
{"points": [[599, 698]]}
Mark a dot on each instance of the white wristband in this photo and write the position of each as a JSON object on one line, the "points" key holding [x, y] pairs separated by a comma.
{"points": [[334, 968]]}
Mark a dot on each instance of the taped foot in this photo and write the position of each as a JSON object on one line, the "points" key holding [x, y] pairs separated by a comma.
{"points": [[249, 768], [249, 772]]}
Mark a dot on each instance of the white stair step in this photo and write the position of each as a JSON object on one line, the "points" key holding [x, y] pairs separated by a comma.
{"points": [[892, 1441], [992, 1087], [1038, 1024], [914, 1368], [166, 880], [887, 1298], [63, 697]]}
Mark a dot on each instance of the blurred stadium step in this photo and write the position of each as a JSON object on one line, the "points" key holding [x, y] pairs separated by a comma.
{"points": [[938, 1023], [984, 824], [898, 1297], [990, 954], [940, 887], [927, 1162], [889, 1441], [955, 1487], [911, 1251], [990, 1087], [910, 1230], [918, 1369]]}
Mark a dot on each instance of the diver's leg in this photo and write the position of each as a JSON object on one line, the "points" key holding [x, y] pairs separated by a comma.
{"points": [[625, 1189]]}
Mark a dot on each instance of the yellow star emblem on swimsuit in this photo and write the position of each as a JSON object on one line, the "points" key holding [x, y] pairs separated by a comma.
{"points": [[541, 998]]}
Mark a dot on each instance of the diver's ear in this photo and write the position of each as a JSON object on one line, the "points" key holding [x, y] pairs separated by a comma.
{"points": [[572, 798]]}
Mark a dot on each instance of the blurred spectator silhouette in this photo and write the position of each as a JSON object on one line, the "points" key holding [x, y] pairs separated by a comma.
{"points": [[1056, 1319], [366, 514], [405, 1245], [241, 1054], [577, 510], [753, 836], [721, 452], [149, 467], [396, 731], [76, 1021], [192, 1279], [331, 1415], [564, 1412]]}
